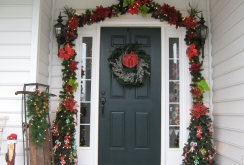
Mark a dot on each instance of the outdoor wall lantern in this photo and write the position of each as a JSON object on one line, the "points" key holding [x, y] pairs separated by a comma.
{"points": [[202, 32], [59, 31]]}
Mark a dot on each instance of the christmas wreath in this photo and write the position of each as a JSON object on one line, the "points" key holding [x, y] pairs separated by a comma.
{"points": [[130, 64]]}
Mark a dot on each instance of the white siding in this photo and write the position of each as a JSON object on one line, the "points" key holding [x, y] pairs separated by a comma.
{"points": [[228, 67], [15, 46], [45, 40], [25, 27]]}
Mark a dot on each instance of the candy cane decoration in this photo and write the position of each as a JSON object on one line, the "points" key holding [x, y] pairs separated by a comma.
{"points": [[193, 146], [62, 161], [210, 157], [57, 144], [199, 132], [66, 141]]}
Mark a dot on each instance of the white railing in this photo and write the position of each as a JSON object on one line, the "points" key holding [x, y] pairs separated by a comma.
{"points": [[3, 121]]}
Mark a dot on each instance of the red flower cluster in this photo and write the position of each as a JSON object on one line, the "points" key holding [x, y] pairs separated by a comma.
{"points": [[195, 67], [66, 52], [69, 36], [99, 14], [190, 22], [70, 104], [198, 110], [171, 12], [190, 35], [196, 92], [73, 23], [192, 51], [69, 88], [73, 66], [102, 12], [132, 10]]}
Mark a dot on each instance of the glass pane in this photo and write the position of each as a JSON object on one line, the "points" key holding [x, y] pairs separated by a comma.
{"points": [[174, 91], [174, 137], [85, 90], [174, 48], [86, 68], [84, 135], [174, 70], [87, 47], [85, 113], [174, 114]]}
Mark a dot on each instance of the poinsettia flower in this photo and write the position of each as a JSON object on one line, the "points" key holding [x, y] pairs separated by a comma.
{"points": [[70, 104], [69, 36], [66, 52], [143, 9], [128, 2], [195, 67], [203, 85], [198, 110], [192, 51]]}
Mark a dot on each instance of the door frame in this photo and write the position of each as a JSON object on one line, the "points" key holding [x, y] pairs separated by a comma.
{"points": [[131, 21]]}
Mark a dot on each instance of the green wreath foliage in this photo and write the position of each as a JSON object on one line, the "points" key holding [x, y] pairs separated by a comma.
{"points": [[37, 111], [130, 77]]}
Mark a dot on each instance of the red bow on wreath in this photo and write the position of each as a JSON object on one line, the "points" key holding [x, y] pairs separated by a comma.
{"points": [[130, 60]]}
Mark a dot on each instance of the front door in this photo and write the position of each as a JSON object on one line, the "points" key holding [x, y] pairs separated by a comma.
{"points": [[130, 129]]}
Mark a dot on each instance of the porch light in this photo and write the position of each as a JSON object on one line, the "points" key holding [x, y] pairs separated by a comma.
{"points": [[59, 31], [202, 32]]}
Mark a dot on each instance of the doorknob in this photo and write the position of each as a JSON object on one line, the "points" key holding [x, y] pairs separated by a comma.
{"points": [[103, 101]]}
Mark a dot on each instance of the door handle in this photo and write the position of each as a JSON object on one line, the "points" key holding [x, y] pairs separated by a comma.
{"points": [[103, 101]]}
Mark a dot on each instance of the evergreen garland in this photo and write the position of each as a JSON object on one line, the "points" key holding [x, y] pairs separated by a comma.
{"points": [[37, 112]]}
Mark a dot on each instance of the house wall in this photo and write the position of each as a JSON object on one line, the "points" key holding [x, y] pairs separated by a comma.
{"points": [[24, 58], [228, 82]]}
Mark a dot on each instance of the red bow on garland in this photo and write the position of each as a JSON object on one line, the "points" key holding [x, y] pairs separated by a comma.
{"points": [[66, 52]]}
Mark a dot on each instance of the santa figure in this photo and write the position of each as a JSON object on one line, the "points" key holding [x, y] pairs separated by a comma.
{"points": [[10, 155]]}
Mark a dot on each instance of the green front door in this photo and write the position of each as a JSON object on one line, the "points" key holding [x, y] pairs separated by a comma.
{"points": [[130, 129]]}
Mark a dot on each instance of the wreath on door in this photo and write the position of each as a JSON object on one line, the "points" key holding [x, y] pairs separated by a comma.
{"points": [[130, 64]]}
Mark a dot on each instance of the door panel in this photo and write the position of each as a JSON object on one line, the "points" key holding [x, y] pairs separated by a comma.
{"points": [[129, 132]]}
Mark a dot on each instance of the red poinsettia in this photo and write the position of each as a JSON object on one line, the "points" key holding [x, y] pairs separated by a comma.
{"points": [[198, 110], [70, 104], [73, 66], [132, 10], [195, 67], [190, 22], [73, 23], [102, 12], [192, 51], [66, 52], [93, 17], [196, 92]]}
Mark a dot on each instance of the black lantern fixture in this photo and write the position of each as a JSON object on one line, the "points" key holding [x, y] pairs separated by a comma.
{"points": [[59, 31], [202, 32]]}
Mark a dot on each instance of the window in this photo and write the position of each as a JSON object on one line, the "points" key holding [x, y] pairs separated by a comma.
{"points": [[85, 104]]}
